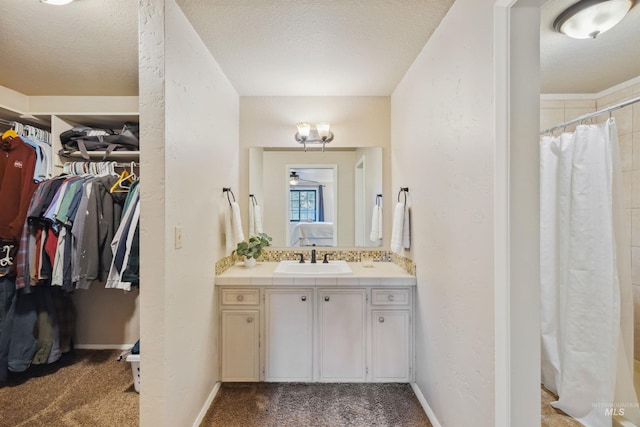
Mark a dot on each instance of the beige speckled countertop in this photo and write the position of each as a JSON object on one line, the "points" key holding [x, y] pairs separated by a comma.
{"points": [[381, 274]]}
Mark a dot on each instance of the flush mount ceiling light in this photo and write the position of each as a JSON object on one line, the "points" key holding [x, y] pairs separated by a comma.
{"points": [[308, 135], [56, 2], [590, 18]]}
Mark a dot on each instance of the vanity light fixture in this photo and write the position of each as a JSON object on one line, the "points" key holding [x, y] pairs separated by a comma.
{"points": [[56, 2], [590, 18], [306, 134]]}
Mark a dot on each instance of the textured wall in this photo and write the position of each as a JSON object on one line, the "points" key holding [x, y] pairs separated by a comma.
{"points": [[152, 213], [442, 149], [196, 149]]}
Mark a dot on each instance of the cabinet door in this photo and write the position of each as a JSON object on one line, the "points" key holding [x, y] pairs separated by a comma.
{"points": [[289, 335], [390, 345], [240, 345], [342, 321]]}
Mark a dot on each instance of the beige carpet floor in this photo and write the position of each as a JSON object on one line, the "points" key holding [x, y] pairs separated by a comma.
{"points": [[93, 389], [90, 389], [315, 404]]}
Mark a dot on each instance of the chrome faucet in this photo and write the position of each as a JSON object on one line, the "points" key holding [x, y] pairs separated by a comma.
{"points": [[313, 256]]}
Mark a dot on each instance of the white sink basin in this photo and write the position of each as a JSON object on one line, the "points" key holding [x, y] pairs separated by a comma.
{"points": [[294, 268]]}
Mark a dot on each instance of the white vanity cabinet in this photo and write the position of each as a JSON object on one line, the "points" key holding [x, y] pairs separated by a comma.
{"points": [[390, 335], [289, 335], [314, 331], [342, 334], [240, 335]]}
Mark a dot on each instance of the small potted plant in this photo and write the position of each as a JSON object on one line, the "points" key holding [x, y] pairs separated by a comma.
{"points": [[252, 248]]}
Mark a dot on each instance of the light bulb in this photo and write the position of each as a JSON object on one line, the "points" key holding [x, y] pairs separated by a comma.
{"points": [[323, 130], [304, 129]]}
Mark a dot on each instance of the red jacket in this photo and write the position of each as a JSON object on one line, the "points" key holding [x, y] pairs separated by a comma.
{"points": [[16, 186]]}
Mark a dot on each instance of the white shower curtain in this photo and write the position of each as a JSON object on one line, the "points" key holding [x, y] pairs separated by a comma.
{"points": [[586, 303]]}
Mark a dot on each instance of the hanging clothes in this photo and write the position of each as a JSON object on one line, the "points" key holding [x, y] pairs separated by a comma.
{"points": [[122, 243], [65, 244], [17, 164], [585, 275]]}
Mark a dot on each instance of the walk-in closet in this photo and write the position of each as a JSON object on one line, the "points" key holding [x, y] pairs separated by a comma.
{"points": [[70, 241]]}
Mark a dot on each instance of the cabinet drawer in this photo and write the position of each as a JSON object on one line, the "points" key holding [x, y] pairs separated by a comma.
{"points": [[390, 297], [240, 297]]}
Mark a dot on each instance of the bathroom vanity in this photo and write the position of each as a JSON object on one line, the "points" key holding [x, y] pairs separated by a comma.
{"points": [[307, 326]]}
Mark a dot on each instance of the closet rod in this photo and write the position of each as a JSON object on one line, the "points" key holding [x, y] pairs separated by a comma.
{"points": [[591, 115], [116, 164]]}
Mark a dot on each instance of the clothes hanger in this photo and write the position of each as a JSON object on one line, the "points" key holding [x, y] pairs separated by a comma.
{"points": [[120, 186], [132, 174], [10, 134]]}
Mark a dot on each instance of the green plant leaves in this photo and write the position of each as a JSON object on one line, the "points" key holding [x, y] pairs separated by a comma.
{"points": [[253, 247]]}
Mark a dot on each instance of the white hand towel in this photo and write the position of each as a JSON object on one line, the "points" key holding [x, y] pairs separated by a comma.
{"points": [[380, 222], [375, 223], [397, 229], [257, 211], [236, 224], [406, 228], [252, 219], [255, 220], [228, 230], [233, 227]]}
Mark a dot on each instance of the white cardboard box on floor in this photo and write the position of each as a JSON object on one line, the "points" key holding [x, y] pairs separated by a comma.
{"points": [[134, 359]]}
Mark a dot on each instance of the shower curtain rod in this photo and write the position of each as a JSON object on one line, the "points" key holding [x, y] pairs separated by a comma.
{"points": [[591, 115]]}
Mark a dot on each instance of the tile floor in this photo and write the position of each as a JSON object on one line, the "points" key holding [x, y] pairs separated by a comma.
{"points": [[552, 417]]}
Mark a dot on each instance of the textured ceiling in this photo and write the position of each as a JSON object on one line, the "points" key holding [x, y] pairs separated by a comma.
{"points": [[279, 47], [590, 65], [315, 47], [89, 47]]}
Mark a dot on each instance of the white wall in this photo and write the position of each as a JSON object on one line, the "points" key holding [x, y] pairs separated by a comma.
{"points": [[356, 121], [190, 116], [442, 149]]}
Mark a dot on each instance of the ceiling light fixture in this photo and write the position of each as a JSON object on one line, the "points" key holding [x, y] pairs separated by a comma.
{"points": [[56, 2], [590, 18], [308, 135], [294, 179]]}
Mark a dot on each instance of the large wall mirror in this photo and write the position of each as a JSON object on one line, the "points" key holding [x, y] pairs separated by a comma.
{"points": [[317, 198]]}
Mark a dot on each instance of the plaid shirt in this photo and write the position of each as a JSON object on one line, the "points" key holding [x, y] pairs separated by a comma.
{"points": [[23, 279]]}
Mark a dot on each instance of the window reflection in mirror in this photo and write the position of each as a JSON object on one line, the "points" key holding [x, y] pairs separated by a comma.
{"points": [[312, 205]]}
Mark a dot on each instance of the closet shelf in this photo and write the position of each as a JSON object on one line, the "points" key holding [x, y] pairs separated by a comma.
{"points": [[100, 154]]}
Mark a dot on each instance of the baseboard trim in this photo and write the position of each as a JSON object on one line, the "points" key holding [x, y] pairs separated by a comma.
{"points": [[103, 346], [207, 403], [425, 405]]}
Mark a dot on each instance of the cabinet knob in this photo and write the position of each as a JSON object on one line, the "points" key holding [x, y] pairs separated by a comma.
{"points": [[303, 298], [240, 297], [381, 319], [249, 319], [326, 298], [390, 297]]}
